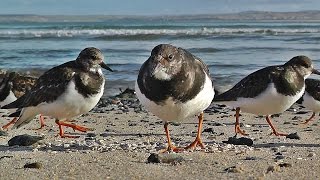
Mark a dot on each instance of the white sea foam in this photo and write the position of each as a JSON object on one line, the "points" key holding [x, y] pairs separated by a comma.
{"points": [[133, 32]]}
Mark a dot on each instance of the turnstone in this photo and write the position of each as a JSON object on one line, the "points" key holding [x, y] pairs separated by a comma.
{"points": [[173, 84], [311, 97], [270, 90], [65, 91], [13, 86]]}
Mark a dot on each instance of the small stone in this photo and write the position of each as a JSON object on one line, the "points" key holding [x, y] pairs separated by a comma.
{"points": [[170, 158], [285, 165], [312, 154], [3, 133], [302, 112], [250, 158], [153, 158], [273, 168], [279, 157], [175, 124], [294, 118], [35, 165], [209, 130], [234, 169], [66, 145], [125, 146], [24, 140], [216, 124], [239, 141], [5, 157], [91, 135], [293, 136]]}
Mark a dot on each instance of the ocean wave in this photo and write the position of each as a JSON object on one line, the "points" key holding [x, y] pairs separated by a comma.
{"points": [[152, 33], [203, 50]]}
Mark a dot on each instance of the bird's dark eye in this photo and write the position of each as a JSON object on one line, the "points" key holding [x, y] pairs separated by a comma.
{"points": [[170, 56], [306, 65]]}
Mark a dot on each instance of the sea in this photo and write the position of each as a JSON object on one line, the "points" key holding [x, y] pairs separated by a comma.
{"points": [[231, 49]]}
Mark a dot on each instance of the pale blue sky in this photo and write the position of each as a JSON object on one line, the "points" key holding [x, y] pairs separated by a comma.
{"points": [[150, 7]]}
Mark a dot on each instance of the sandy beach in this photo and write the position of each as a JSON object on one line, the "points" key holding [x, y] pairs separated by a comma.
{"points": [[125, 135]]}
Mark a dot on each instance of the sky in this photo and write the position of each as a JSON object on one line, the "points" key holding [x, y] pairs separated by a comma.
{"points": [[151, 7]]}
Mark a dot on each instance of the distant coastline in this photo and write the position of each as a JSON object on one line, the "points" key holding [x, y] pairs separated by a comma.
{"points": [[312, 15]]}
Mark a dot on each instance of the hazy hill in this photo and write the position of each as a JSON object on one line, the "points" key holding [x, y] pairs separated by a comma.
{"points": [[248, 15]]}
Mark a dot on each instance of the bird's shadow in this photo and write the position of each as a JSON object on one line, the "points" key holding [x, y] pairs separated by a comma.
{"points": [[131, 134], [4, 148], [269, 145]]}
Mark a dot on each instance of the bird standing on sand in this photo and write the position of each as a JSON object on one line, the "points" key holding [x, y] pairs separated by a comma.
{"points": [[270, 90], [173, 84], [65, 91], [13, 86], [311, 97]]}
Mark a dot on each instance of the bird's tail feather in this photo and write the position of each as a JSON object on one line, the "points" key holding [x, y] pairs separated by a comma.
{"points": [[27, 114]]}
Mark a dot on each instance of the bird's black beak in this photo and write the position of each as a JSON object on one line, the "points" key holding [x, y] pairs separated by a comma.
{"points": [[104, 66], [314, 71]]}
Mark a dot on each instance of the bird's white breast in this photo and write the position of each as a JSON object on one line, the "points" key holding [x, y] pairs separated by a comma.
{"points": [[177, 111], [267, 103], [310, 103], [70, 104], [9, 99]]}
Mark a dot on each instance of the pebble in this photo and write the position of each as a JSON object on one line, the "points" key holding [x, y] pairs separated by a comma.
{"points": [[273, 168], [169, 158], [312, 154], [24, 140], [234, 169], [285, 165], [216, 124], [239, 141], [66, 145], [91, 135], [125, 146], [250, 158], [301, 112], [3, 133], [293, 136], [296, 118], [35, 165], [279, 157], [209, 130]]}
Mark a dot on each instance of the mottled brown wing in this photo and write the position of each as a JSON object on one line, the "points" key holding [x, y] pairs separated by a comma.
{"points": [[251, 86], [5, 87], [202, 65], [48, 87], [313, 88], [22, 84], [198, 61]]}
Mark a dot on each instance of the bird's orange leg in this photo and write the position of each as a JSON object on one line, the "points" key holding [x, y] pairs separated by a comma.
{"points": [[14, 120], [73, 126], [273, 128], [197, 141], [42, 125], [308, 120], [170, 146], [237, 124]]}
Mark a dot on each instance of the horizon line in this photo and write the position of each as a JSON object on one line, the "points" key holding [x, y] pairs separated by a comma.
{"points": [[155, 15]]}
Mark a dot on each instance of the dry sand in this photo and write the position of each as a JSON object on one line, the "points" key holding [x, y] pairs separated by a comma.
{"points": [[124, 140]]}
